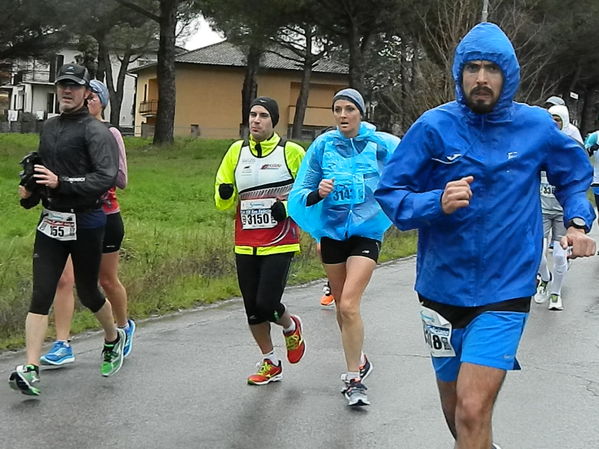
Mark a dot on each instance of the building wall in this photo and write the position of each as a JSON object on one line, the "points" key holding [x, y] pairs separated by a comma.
{"points": [[210, 97], [39, 99]]}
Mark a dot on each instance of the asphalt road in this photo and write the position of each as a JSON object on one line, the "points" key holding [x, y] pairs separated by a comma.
{"points": [[184, 385]]}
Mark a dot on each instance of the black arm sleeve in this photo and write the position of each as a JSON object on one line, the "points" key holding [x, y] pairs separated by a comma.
{"points": [[313, 198]]}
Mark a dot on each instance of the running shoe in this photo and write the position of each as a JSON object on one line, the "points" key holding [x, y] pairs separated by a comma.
{"points": [[59, 354], [495, 446], [112, 355], [129, 340], [267, 372], [555, 302], [366, 368], [296, 347], [355, 393], [327, 298], [24, 378], [542, 291]]}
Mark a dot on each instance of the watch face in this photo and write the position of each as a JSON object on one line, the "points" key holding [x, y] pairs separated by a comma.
{"points": [[578, 222]]}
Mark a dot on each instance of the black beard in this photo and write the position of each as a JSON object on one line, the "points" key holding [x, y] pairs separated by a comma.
{"points": [[481, 107]]}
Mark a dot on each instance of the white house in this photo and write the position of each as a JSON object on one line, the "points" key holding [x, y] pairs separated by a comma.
{"points": [[32, 87]]}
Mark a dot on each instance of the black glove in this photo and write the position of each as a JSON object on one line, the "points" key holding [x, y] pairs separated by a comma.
{"points": [[592, 149], [225, 191], [32, 201], [26, 175], [278, 211]]}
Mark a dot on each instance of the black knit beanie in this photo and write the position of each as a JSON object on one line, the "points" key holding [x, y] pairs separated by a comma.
{"points": [[270, 105]]}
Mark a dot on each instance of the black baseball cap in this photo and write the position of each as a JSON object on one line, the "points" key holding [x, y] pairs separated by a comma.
{"points": [[74, 74]]}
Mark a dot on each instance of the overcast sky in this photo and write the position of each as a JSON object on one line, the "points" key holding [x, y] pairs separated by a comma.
{"points": [[202, 37]]}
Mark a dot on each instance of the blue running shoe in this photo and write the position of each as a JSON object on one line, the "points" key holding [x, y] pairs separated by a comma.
{"points": [[129, 340], [59, 354]]}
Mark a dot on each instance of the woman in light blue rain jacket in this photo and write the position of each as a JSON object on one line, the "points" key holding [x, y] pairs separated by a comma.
{"points": [[333, 200]]}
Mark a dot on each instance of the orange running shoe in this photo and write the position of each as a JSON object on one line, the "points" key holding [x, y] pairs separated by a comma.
{"points": [[295, 342], [327, 298], [267, 372]]}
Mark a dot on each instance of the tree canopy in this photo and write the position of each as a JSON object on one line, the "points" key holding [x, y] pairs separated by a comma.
{"points": [[398, 51]]}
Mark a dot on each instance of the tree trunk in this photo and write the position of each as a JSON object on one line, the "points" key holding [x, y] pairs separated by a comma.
{"points": [[356, 60], [165, 119], [589, 114], [302, 98], [250, 88], [116, 92], [102, 56]]}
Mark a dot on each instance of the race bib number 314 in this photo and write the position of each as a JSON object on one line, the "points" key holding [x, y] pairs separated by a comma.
{"points": [[348, 190]]}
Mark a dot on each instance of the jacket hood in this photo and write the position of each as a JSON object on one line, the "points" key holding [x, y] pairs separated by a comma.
{"points": [[561, 112], [487, 42]]}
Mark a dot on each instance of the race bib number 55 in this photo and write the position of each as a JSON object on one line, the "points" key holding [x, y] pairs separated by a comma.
{"points": [[58, 225], [437, 333], [255, 214]]}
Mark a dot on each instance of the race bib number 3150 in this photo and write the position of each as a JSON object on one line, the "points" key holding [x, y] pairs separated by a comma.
{"points": [[437, 333], [58, 225], [256, 214]]}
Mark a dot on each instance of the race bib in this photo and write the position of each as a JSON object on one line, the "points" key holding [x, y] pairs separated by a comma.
{"points": [[547, 189], [58, 225], [256, 214], [348, 190], [437, 333]]}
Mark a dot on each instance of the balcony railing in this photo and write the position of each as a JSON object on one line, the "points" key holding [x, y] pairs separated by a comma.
{"points": [[148, 108], [40, 76]]}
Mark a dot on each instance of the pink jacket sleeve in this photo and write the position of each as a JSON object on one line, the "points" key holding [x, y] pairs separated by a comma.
{"points": [[121, 177]]}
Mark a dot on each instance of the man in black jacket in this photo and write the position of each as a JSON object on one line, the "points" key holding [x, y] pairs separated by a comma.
{"points": [[80, 163]]}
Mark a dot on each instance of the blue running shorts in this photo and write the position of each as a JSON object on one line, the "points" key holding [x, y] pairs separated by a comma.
{"points": [[491, 339]]}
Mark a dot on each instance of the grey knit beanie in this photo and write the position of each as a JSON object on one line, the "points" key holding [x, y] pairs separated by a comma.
{"points": [[352, 95]]}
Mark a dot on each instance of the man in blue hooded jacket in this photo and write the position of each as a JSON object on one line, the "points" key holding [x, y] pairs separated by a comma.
{"points": [[466, 175]]}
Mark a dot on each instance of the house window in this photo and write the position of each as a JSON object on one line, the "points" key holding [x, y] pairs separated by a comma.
{"points": [[51, 102]]}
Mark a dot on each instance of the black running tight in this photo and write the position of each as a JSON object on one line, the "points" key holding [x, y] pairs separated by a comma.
{"points": [[49, 258], [262, 280]]}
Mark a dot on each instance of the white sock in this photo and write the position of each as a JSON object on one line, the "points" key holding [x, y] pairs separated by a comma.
{"points": [[543, 268], [362, 359], [352, 375], [560, 266], [291, 328], [125, 327], [272, 357]]}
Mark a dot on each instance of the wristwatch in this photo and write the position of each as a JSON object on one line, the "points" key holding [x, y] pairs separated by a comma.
{"points": [[577, 223]]}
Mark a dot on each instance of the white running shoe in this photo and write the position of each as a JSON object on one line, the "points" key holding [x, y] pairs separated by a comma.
{"points": [[542, 291], [555, 302]]}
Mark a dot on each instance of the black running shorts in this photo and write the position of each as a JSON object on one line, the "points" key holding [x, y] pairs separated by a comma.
{"points": [[338, 251]]}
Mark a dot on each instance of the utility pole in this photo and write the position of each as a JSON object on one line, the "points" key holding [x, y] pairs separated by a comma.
{"points": [[485, 14]]}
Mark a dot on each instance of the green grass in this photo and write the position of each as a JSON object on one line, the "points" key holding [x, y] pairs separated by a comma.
{"points": [[178, 249]]}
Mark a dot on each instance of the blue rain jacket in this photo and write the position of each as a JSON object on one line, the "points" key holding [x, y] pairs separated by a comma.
{"points": [[489, 251], [355, 165]]}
